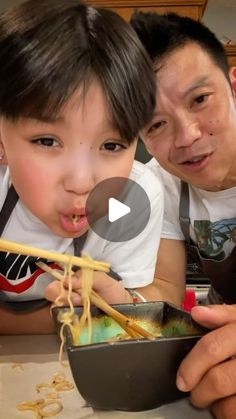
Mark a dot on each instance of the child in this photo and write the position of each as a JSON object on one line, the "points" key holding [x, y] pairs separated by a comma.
{"points": [[71, 106]]}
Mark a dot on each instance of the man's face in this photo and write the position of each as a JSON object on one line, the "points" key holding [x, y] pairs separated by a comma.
{"points": [[193, 131]]}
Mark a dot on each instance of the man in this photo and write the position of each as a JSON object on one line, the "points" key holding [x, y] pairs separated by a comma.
{"points": [[192, 135]]}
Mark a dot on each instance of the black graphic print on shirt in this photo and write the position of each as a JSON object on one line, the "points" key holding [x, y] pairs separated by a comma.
{"points": [[212, 237], [18, 272]]}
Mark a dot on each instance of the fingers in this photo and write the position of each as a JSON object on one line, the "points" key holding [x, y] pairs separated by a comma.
{"points": [[74, 281], [213, 316], [225, 408], [219, 382], [212, 349], [109, 289], [53, 290]]}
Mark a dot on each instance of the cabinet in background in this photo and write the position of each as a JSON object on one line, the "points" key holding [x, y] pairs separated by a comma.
{"points": [[231, 54], [191, 8]]}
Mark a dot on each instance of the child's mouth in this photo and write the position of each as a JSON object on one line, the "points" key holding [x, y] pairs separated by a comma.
{"points": [[75, 218], [73, 223]]}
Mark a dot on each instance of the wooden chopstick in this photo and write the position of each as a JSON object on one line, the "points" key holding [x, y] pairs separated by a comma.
{"points": [[125, 322], [23, 249], [129, 325]]}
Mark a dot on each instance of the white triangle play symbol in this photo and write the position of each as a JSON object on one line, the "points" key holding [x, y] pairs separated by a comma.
{"points": [[117, 210]]}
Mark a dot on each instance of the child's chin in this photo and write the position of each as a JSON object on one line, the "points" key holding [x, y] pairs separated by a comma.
{"points": [[70, 235]]}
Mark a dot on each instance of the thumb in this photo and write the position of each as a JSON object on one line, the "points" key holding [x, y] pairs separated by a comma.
{"points": [[213, 316]]}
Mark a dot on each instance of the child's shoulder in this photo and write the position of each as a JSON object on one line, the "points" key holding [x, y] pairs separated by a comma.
{"points": [[3, 172], [167, 179], [142, 173], [140, 170]]}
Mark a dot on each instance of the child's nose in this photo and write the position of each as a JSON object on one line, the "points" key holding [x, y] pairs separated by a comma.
{"points": [[79, 176]]}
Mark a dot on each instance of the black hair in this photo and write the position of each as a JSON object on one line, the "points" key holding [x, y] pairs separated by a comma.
{"points": [[49, 48], [162, 34]]}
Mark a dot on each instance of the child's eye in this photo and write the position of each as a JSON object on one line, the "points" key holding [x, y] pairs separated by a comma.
{"points": [[113, 147], [45, 141]]}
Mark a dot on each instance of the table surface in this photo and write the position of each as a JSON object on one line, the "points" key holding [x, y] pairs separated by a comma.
{"points": [[39, 358]]}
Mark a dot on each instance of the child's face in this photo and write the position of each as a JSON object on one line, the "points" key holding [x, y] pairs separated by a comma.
{"points": [[55, 165]]}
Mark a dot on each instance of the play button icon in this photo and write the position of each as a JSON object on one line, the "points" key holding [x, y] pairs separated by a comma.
{"points": [[118, 209]]}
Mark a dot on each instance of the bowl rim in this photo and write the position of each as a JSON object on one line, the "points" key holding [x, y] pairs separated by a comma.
{"points": [[69, 345]]}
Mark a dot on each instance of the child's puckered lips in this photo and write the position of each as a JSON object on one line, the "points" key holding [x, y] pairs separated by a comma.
{"points": [[74, 221]]}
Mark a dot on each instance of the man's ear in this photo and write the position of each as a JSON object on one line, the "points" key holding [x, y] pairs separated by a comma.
{"points": [[232, 76], [3, 157]]}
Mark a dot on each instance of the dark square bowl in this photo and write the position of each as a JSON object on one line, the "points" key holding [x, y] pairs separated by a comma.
{"points": [[134, 374]]}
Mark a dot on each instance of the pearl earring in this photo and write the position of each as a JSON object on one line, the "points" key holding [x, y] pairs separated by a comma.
{"points": [[2, 155]]}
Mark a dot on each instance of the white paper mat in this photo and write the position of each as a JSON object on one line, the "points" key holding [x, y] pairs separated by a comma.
{"points": [[18, 385], [38, 355]]}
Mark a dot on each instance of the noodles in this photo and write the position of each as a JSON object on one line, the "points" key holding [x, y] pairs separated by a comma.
{"points": [[38, 407], [42, 413], [86, 286], [18, 365], [68, 317], [130, 327], [51, 405], [88, 295], [58, 383]]}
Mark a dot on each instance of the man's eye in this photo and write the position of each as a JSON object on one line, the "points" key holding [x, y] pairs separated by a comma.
{"points": [[201, 99], [45, 141], [156, 126], [113, 147]]}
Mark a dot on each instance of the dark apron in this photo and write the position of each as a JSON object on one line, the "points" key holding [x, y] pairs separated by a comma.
{"points": [[5, 213], [222, 274]]}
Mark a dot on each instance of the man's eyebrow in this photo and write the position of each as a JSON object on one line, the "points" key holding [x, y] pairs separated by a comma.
{"points": [[154, 115], [195, 85]]}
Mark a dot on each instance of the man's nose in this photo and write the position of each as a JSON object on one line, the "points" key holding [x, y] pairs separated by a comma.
{"points": [[187, 133]]}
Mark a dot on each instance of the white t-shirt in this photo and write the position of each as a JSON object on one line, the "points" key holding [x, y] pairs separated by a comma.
{"points": [[134, 260], [212, 215]]}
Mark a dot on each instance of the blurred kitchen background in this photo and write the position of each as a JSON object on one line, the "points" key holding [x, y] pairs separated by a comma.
{"points": [[219, 16]]}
